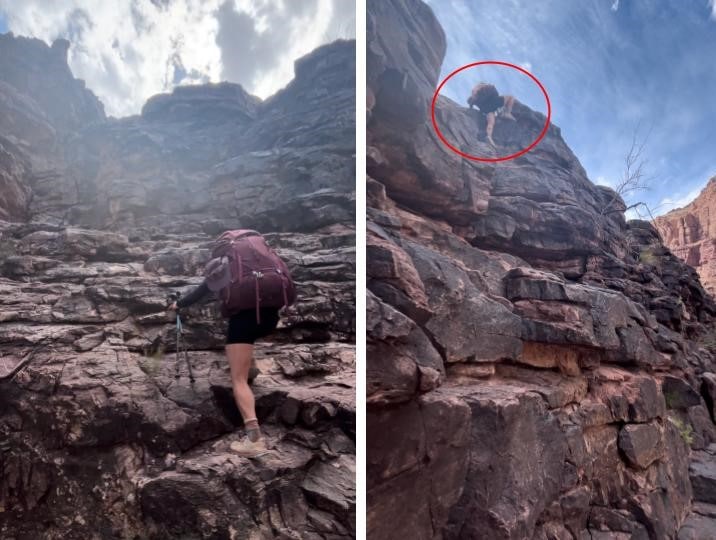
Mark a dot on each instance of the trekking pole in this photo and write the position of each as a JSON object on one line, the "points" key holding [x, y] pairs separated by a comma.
{"points": [[188, 365], [181, 344], [176, 352]]}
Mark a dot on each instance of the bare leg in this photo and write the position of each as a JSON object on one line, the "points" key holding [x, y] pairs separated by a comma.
{"points": [[509, 103], [490, 127], [240, 356]]}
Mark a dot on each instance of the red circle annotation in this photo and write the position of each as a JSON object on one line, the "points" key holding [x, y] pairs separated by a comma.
{"points": [[504, 158]]}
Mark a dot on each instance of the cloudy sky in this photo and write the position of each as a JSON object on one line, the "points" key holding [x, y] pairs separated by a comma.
{"points": [[130, 50], [610, 67]]}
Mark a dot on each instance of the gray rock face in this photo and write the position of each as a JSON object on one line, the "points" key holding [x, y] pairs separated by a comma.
{"points": [[41, 75], [204, 104], [698, 527], [427, 458], [14, 193], [701, 523], [219, 157], [403, 66], [103, 432], [498, 499], [642, 444], [703, 475], [560, 338], [679, 394]]}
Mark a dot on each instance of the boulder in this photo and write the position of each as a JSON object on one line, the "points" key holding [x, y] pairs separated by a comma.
{"points": [[504, 493], [703, 475], [641, 444], [430, 451], [678, 393]]}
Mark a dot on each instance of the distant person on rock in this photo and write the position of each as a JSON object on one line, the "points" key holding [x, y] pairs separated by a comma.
{"points": [[489, 101], [253, 284]]}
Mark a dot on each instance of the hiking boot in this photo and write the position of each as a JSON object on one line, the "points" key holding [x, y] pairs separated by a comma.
{"points": [[249, 449]]}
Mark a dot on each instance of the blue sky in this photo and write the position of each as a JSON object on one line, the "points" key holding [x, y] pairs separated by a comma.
{"points": [[610, 67], [3, 24]]}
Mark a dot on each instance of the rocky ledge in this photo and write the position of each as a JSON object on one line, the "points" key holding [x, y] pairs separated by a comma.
{"points": [[105, 432], [534, 364]]}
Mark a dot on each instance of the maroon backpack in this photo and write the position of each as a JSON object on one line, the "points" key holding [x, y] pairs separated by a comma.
{"points": [[247, 274]]}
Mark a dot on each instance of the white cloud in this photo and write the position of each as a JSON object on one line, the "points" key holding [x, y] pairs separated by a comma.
{"points": [[128, 51], [252, 32], [678, 200], [712, 5], [601, 181], [615, 5]]}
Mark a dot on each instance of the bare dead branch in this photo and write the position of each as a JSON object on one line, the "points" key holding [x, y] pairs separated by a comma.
{"points": [[634, 177]]}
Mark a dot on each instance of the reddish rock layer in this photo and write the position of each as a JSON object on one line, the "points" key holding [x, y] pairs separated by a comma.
{"points": [[690, 232]]}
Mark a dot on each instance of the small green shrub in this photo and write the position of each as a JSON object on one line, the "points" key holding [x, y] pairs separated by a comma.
{"points": [[685, 430], [670, 399], [646, 256]]}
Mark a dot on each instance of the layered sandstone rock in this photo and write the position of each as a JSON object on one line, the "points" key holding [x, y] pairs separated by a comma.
{"points": [[104, 434], [531, 368], [690, 234]]}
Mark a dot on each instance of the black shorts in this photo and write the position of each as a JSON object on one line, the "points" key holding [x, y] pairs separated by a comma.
{"points": [[243, 327]]}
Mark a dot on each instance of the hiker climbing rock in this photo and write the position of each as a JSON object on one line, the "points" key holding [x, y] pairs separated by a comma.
{"points": [[490, 102], [253, 284]]}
